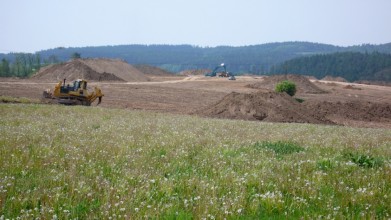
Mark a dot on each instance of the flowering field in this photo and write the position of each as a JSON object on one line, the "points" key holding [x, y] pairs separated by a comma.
{"points": [[60, 162]]}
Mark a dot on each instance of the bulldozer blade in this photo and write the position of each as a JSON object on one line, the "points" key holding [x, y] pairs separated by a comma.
{"points": [[99, 100]]}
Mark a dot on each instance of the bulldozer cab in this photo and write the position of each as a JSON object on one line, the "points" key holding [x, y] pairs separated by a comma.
{"points": [[79, 84]]}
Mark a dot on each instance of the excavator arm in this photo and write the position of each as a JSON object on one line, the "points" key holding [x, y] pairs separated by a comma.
{"points": [[214, 72]]}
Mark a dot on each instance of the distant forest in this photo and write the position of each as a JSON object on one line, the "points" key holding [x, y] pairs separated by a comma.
{"points": [[352, 66], [254, 59]]}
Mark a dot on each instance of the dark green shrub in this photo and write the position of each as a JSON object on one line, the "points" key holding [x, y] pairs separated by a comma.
{"points": [[325, 165], [286, 86], [364, 160], [280, 147]]}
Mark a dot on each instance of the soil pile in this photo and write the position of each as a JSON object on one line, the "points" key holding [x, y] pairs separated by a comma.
{"points": [[379, 83], [352, 110], [92, 70], [335, 79], [264, 106], [279, 107], [152, 70], [194, 72], [303, 84]]}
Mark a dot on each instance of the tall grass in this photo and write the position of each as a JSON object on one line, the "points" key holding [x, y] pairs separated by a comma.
{"points": [[60, 162]]}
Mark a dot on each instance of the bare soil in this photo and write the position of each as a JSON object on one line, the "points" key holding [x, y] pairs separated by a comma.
{"points": [[194, 72], [152, 71], [303, 84], [333, 78], [92, 70], [339, 103], [265, 105]]}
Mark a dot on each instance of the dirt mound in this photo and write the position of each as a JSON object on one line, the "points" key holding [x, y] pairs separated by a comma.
{"points": [[303, 84], [152, 70], [91, 69], [352, 87], [379, 83], [264, 106], [335, 79], [352, 110], [310, 77], [194, 72], [279, 107]]}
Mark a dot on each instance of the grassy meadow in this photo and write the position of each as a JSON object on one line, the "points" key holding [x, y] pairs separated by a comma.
{"points": [[61, 162]]}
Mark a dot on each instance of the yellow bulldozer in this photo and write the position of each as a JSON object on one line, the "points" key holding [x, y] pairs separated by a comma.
{"points": [[75, 94]]}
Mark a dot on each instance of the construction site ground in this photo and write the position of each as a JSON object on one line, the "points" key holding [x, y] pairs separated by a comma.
{"points": [[342, 103]]}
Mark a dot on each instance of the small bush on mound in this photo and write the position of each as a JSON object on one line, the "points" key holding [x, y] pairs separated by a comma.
{"points": [[286, 86]]}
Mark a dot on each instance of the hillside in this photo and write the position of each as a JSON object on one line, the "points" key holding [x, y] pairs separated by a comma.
{"points": [[352, 66], [152, 70], [255, 59]]}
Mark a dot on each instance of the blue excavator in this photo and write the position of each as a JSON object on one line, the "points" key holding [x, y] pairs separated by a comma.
{"points": [[223, 73]]}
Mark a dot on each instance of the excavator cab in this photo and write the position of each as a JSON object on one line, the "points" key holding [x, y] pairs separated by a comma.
{"points": [[214, 72], [222, 73]]}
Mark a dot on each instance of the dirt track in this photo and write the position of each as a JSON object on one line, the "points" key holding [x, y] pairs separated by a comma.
{"points": [[195, 94]]}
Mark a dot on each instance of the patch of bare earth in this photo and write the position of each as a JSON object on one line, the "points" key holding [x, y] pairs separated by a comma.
{"points": [[194, 72], [303, 84], [263, 106], [152, 70], [325, 102], [334, 78], [92, 70], [352, 112]]}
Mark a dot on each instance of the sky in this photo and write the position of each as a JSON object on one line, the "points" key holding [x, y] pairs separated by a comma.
{"points": [[31, 26]]}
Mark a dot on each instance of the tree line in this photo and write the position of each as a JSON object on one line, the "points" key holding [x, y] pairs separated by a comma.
{"points": [[352, 66], [253, 59], [26, 64], [23, 65]]}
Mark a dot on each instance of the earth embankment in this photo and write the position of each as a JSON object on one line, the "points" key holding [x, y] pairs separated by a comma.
{"points": [[92, 70]]}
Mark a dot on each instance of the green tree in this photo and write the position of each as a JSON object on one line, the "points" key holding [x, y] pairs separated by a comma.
{"points": [[286, 86], [17, 68], [75, 55], [37, 63], [5, 68], [51, 59]]}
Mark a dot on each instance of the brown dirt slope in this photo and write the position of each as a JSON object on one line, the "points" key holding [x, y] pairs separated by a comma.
{"points": [[152, 70], [91, 69], [279, 107], [335, 79], [380, 83], [303, 84], [352, 110], [264, 106], [194, 72]]}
